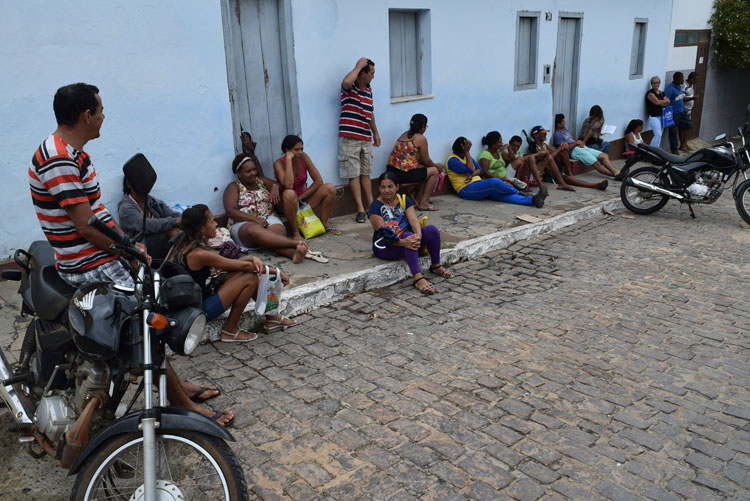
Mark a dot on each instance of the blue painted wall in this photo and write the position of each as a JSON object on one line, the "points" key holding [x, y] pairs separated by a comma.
{"points": [[161, 72]]}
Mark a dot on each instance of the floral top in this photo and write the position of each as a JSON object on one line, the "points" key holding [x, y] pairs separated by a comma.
{"points": [[404, 156], [592, 124], [255, 203]]}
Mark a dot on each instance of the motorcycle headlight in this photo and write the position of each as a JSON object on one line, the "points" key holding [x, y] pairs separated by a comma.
{"points": [[187, 333]]}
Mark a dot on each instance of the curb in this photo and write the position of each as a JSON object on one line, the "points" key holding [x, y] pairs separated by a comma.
{"points": [[307, 297]]}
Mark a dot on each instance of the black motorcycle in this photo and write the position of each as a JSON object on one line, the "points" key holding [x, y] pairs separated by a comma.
{"points": [[699, 178], [89, 356]]}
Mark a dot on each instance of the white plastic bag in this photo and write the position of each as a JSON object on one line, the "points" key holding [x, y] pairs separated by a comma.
{"points": [[269, 293]]}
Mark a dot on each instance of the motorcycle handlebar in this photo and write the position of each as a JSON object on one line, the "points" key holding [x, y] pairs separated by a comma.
{"points": [[118, 238]]}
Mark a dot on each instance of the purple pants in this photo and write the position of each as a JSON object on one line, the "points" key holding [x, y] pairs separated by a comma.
{"points": [[430, 239]]}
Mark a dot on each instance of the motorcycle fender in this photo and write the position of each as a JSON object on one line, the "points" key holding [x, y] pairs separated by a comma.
{"points": [[169, 418], [738, 188]]}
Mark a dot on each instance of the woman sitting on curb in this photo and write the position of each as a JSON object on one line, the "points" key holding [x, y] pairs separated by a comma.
{"points": [[493, 163], [249, 205], [234, 289], [633, 134], [464, 174], [386, 211], [410, 161], [581, 152], [291, 172]]}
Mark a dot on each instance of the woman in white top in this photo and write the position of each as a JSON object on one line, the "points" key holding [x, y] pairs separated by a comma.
{"points": [[633, 134]]}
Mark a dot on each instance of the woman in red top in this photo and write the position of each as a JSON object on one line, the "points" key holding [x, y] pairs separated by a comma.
{"points": [[291, 172]]}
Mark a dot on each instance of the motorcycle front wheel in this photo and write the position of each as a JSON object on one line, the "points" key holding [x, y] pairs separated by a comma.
{"points": [[642, 201], [742, 201], [189, 465]]}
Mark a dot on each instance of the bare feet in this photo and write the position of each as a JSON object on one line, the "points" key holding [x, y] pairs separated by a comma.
{"points": [[299, 252]]}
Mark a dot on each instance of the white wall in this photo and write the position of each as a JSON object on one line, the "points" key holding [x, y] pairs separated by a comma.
{"points": [[160, 68], [687, 15], [472, 68]]}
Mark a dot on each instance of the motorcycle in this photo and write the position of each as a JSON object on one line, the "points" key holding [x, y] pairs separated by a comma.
{"points": [[82, 355], [699, 178]]}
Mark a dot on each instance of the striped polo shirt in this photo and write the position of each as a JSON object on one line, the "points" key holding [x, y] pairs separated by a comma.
{"points": [[356, 113], [60, 177]]}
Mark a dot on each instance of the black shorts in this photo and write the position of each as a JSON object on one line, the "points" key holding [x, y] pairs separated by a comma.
{"points": [[417, 175]]}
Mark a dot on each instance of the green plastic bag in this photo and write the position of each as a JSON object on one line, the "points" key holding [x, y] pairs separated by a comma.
{"points": [[308, 223]]}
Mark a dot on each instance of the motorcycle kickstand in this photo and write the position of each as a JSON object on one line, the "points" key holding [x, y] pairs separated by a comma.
{"points": [[690, 206]]}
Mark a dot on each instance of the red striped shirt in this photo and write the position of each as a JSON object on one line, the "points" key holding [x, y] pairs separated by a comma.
{"points": [[356, 113]]}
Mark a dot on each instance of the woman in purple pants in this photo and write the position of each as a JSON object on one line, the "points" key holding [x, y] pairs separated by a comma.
{"points": [[386, 210]]}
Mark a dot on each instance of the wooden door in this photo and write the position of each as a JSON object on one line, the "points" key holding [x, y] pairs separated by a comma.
{"points": [[565, 76], [261, 90], [701, 67]]}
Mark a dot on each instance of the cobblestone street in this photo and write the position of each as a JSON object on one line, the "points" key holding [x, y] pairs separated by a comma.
{"points": [[607, 360]]}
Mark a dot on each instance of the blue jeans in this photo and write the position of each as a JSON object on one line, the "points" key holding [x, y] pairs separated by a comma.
{"points": [[494, 189], [604, 148], [656, 126]]}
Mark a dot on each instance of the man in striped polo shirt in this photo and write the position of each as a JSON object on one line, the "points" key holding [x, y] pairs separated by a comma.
{"points": [[358, 133], [65, 192]]}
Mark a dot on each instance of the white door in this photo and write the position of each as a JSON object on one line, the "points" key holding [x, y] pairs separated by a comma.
{"points": [[565, 76], [263, 95]]}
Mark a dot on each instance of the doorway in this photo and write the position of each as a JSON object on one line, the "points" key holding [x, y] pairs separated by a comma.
{"points": [[565, 75], [701, 68], [260, 72]]}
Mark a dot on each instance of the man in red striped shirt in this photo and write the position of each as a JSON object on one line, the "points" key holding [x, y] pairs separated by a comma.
{"points": [[358, 133], [65, 192]]}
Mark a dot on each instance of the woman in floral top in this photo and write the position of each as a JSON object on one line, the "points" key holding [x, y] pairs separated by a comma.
{"points": [[411, 162], [249, 206]]}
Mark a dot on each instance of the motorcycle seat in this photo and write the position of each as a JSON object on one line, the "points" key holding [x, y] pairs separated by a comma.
{"points": [[50, 294], [665, 156]]}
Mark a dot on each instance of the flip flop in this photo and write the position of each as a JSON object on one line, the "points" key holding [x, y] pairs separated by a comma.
{"points": [[430, 208], [219, 415], [253, 336], [361, 217], [333, 231], [278, 324], [567, 188], [316, 256], [196, 397]]}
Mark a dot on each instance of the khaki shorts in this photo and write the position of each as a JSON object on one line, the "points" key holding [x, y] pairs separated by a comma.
{"points": [[355, 157]]}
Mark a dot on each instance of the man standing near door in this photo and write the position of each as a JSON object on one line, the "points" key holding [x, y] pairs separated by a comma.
{"points": [[358, 133], [682, 124]]}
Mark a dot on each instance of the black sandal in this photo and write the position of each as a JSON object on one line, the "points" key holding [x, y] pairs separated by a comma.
{"points": [[436, 270], [430, 289], [361, 217]]}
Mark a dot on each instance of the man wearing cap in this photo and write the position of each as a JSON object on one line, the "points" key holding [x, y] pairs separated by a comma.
{"points": [[546, 161], [65, 193]]}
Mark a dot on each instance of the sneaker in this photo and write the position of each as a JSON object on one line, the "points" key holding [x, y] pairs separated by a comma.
{"points": [[538, 199]]}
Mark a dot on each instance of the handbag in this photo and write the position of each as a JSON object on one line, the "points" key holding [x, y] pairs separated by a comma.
{"points": [[308, 223], [667, 117], [269, 293]]}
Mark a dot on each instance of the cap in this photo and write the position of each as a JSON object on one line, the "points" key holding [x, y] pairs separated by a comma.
{"points": [[537, 129]]}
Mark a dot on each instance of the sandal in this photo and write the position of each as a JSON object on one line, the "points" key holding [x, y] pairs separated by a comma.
{"points": [[361, 217], [567, 188], [332, 230], [603, 185], [235, 335], [316, 256], [203, 389], [430, 208], [274, 325], [427, 290], [219, 415], [440, 270]]}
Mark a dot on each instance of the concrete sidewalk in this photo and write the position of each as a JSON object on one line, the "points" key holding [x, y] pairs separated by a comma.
{"points": [[467, 229]]}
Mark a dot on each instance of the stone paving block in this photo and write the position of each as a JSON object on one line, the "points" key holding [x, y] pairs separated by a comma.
{"points": [[539, 472], [482, 467], [614, 492], [410, 477], [525, 489]]}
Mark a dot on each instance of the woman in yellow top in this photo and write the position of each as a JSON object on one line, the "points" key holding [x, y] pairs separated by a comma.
{"points": [[411, 163], [464, 173]]}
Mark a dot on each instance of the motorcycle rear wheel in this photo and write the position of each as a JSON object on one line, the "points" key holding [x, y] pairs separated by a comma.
{"points": [[742, 201], [189, 464], [641, 201]]}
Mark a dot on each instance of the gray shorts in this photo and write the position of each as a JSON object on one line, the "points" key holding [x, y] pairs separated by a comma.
{"points": [[111, 271], [235, 231], [355, 157]]}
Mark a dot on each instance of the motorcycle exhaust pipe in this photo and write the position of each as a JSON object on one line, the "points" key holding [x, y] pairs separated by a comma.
{"points": [[9, 394], [650, 187]]}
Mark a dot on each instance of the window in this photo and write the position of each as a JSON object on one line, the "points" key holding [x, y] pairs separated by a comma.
{"points": [[527, 37], [685, 38], [639, 48], [409, 39]]}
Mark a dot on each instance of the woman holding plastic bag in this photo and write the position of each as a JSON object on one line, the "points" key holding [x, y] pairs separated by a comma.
{"points": [[398, 233], [234, 285], [298, 199]]}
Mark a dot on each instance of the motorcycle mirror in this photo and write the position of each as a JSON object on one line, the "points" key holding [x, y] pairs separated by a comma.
{"points": [[720, 137], [140, 174]]}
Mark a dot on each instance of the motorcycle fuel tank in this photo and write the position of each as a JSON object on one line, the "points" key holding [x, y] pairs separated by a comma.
{"points": [[97, 313]]}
